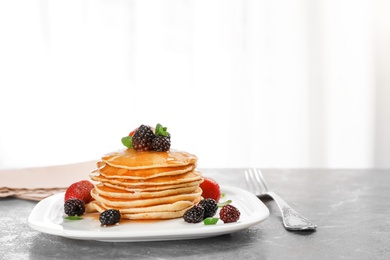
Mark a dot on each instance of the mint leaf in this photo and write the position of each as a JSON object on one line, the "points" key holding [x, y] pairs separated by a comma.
{"points": [[210, 221], [160, 130], [221, 204], [127, 141], [73, 218]]}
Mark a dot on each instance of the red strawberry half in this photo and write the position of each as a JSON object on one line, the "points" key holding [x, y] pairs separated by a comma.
{"points": [[80, 190], [210, 189], [132, 132]]}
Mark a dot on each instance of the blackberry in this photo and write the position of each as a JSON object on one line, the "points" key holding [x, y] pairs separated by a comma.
{"points": [[142, 138], [161, 143], [110, 217], [73, 207], [194, 214], [229, 214], [210, 207]]}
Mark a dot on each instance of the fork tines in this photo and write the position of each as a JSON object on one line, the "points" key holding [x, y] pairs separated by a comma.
{"points": [[255, 181]]}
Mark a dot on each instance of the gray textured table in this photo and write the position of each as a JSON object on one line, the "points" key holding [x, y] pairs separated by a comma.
{"points": [[350, 207]]}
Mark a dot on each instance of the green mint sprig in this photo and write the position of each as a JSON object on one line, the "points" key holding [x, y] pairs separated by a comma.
{"points": [[73, 218], [127, 141], [210, 221], [221, 204], [160, 130]]}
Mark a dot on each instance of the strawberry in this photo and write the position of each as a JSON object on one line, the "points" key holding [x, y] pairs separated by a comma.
{"points": [[132, 132], [79, 190], [210, 189]]}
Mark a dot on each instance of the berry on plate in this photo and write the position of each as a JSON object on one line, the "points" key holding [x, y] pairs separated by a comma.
{"points": [[194, 214], [210, 207], [74, 207], [79, 190], [229, 214], [110, 217], [210, 189]]}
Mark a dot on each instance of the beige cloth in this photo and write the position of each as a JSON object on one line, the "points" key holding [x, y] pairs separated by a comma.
{"points": [[41, 182]]}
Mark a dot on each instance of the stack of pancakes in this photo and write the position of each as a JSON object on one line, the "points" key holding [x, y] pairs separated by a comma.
{"points": [[147, 185]]}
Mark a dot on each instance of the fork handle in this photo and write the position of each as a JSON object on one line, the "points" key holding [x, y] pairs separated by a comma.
{"points": [[292, 220]]}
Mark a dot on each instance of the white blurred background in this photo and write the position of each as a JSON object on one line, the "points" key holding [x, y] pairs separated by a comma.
{"points": [[279, 84]]}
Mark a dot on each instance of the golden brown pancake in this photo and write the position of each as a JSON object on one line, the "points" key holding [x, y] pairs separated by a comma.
{"points": [[109, 171], [132, 160], [156, 215], [179, 205], [128, 203], [147, 215], [120, 193], [155, 187], [146, 185], [163, 180]]}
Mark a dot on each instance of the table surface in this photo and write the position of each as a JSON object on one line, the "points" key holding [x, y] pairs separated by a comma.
{"points": [[350, 207]]}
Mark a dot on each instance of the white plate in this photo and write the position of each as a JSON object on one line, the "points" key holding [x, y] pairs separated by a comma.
{"points": [[48, 217]]}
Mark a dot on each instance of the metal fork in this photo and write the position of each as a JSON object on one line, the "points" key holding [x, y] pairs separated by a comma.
{"points": [[291, 219]]}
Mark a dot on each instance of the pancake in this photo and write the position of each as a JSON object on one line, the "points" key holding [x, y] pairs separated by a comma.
{"points": [[128, 203], [154, 188], [109, 171], [156, 215], [133, 160], [179, 205], [123, 194], [148, 215], [146, 185], [163, 180]]}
